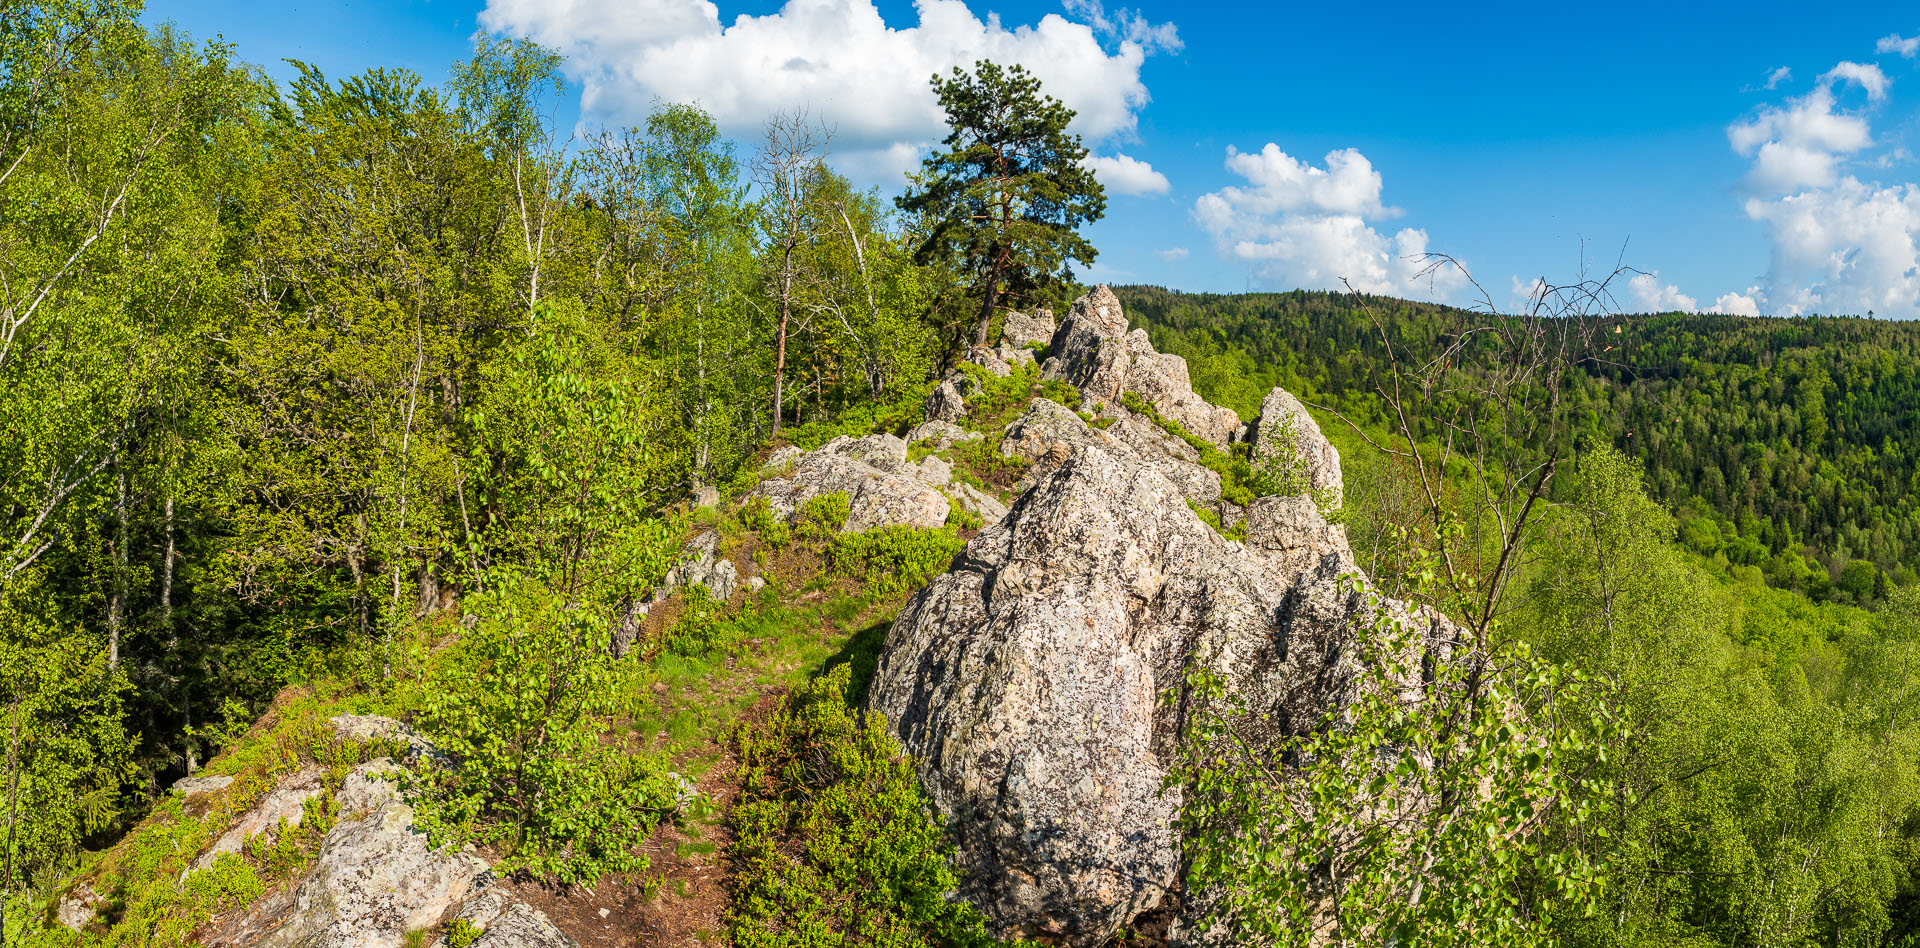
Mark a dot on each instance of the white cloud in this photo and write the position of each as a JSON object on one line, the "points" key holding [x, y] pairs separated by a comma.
{"points": [[1126, 25], [1801, 143], [1737, 304], [1865, 75], [1172, 254], [1127, 175], [1308, 226], [837, 58], [1847, 248], [1840, 244], [1895, 43], [1778, 76], [1652, 296]]}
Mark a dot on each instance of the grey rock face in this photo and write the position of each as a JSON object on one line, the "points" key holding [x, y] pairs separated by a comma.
{"points": [[284, 805], [945, 403], [706, 497], [506, 922], [943, 434], [1047, 434], [373, 879], [881, 487], [701, 564], [1093, 351], [194, 786], [977, 501], [1285, 426], [993, 361], [1018, 330], [77, 908], [935, 470], [1026, 683]]}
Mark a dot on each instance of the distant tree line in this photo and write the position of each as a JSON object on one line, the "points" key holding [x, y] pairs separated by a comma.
{"points": [[1785, 446]]}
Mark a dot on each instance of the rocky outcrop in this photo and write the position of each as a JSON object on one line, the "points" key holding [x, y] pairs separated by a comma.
{"points": [[505, 922], [882, 488], [1285, 430], [702, 565], [945, 403], [1029, 683], [1093, 351], [943, 434], [195, 786], [281, 809], [374, 877], [1047, 434]]}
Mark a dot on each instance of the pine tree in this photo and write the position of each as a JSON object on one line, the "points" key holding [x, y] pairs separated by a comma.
{"points": [[1010, 192]]}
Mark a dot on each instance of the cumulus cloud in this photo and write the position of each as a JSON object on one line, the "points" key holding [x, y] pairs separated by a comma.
{"points": [[1127, 175], [1839, 244], [1172, 254], [1737, 304], [1778, 76], [1800, 144], [1652, 296], [1895, 43], [839, 59], [1309, 226]]}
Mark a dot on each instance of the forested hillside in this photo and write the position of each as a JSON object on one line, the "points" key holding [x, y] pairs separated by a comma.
{"points": [[1784, 444], [424, 525]]}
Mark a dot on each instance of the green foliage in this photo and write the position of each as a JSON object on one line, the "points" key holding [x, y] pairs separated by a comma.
{"points": [[462, 933], [1242, 478], [1009, 192], [1772, 766], [1788, 436], [821, 518], [523, 712], [895, 558], [564, 438], [833, 844], [1401, 818]]}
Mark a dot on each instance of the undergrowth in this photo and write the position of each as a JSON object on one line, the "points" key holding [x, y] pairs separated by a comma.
{"points": [[833, 842]]}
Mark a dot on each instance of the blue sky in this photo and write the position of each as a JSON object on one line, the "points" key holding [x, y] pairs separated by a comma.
{"points": [[1515, 137]]}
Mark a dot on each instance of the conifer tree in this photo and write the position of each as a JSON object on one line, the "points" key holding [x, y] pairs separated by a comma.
{"points": [[1010, 192]]}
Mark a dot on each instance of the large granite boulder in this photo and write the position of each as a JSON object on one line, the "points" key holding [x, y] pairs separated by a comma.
{"points": [[1093, 351], [882, 488], [1286, 430], [1027, 683]]}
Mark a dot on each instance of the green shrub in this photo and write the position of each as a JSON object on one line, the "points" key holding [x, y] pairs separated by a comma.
{"points": [[894, 558], [960, 518], [522, 709], [833, 843], [981, 459], [821, 518], [462, 933], [865, 419], [698, 628]]}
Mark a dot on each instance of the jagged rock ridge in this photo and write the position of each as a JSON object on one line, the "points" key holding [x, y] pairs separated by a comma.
{"points": [[1028, 682]]}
